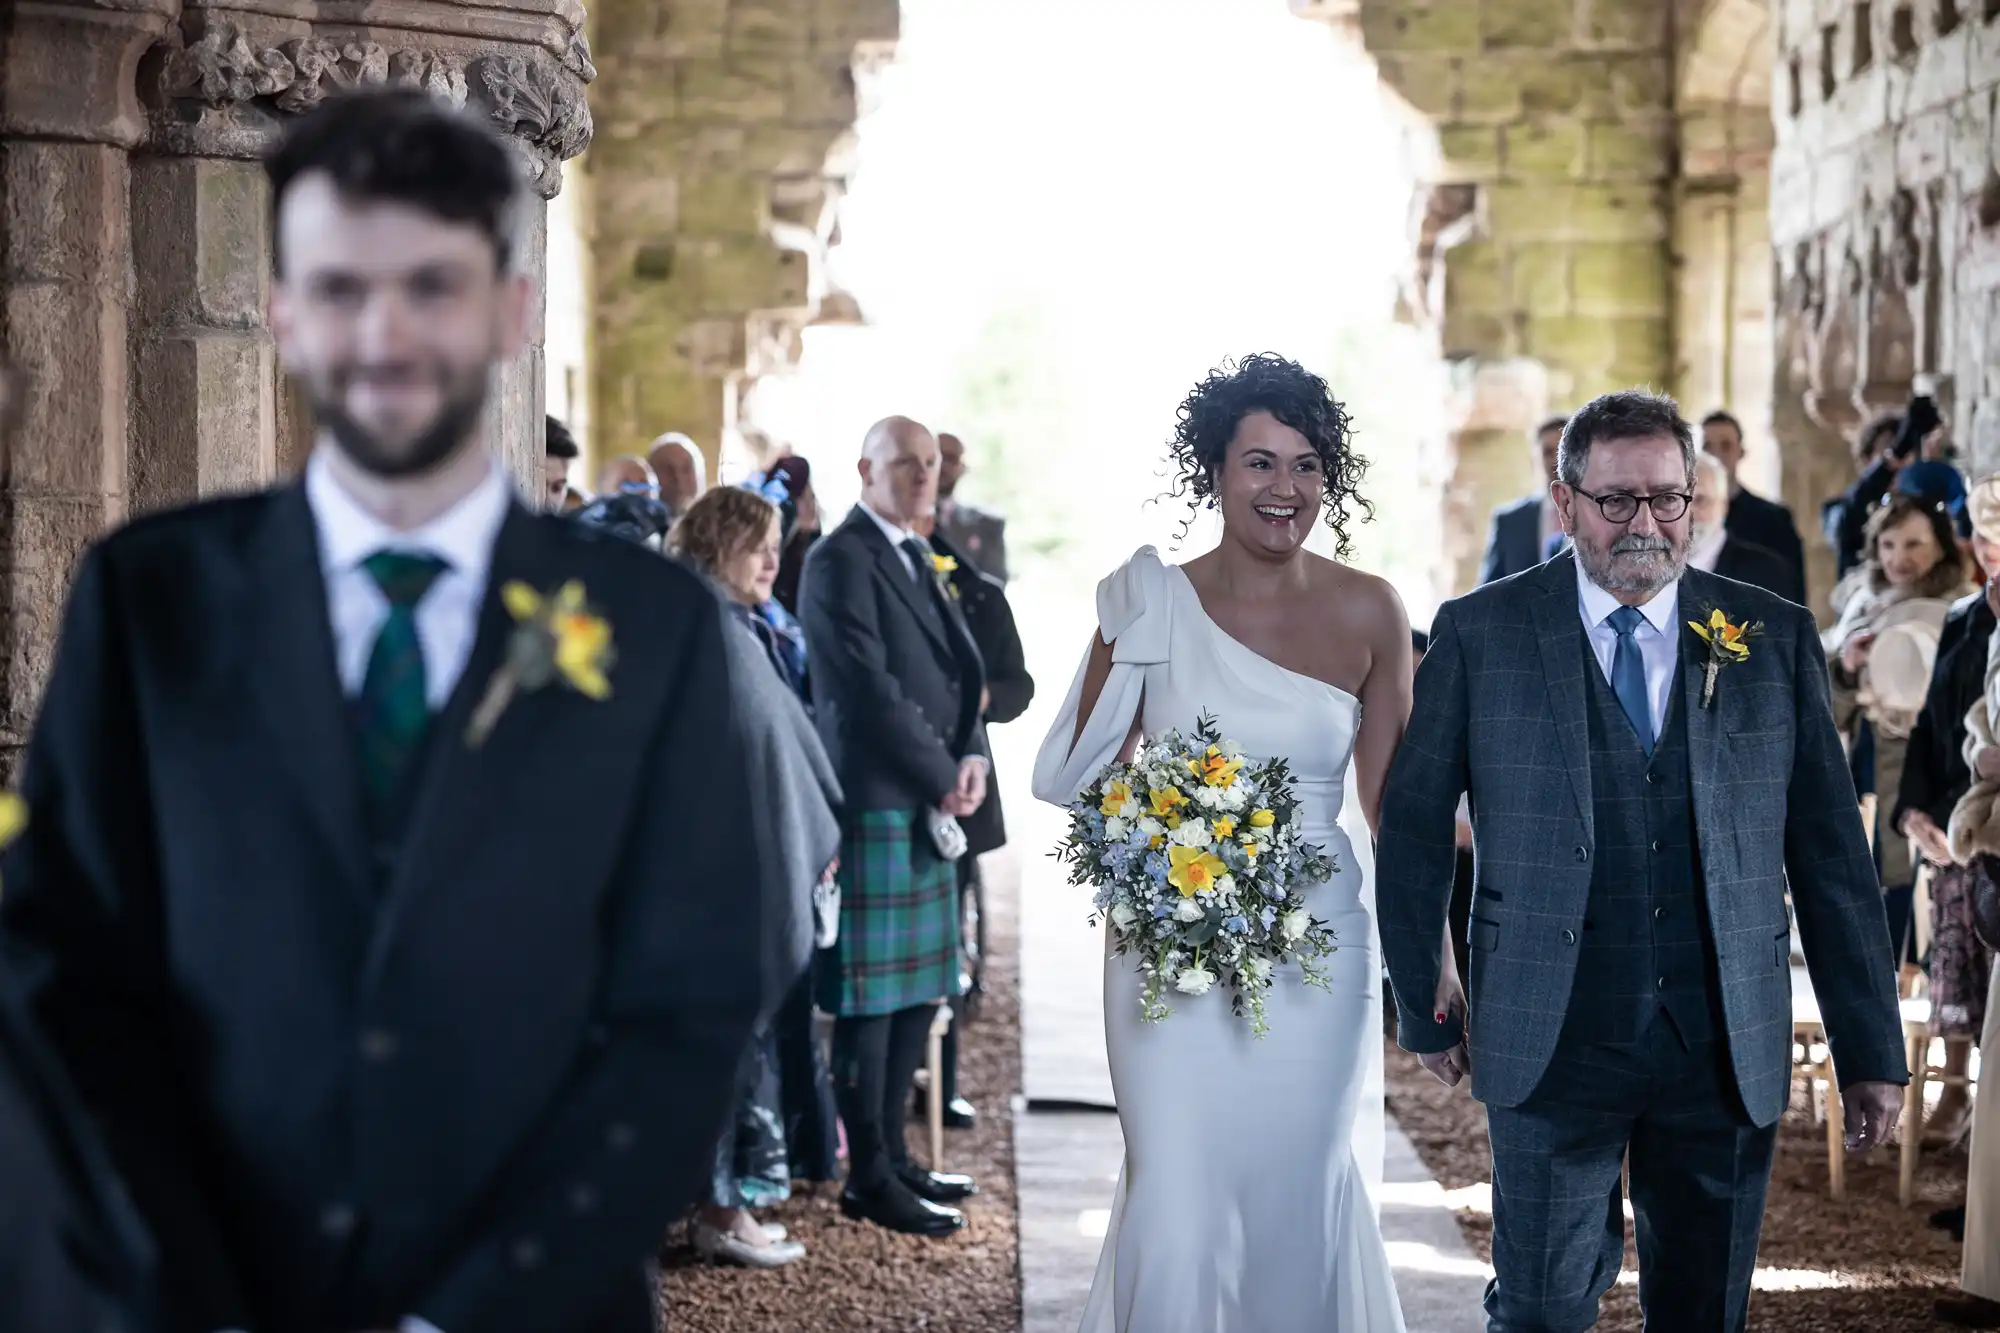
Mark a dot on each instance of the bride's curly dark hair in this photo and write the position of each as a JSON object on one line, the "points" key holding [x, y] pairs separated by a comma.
{"points": [[1267, 382]]}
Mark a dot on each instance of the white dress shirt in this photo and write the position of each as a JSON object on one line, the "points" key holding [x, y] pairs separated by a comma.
{"points": [[1658, 638], [896, 535], [1708, 550], [448, 616]]}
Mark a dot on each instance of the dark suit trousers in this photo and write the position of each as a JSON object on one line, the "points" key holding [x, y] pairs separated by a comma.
{"points": [[875, 1061], [1700, 1170]]}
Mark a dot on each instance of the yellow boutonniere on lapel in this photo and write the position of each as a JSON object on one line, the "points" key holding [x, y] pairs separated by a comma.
{"points": [[1728, 642], [942, 568], [555, 638]]}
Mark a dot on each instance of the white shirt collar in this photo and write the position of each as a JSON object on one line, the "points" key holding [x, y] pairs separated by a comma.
{"points": [[1598, 604], [462, 536], [896, 533], [1709, 550]]}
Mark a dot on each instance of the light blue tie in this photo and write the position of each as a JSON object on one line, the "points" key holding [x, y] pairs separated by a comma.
{"points": [[1628, 675]]}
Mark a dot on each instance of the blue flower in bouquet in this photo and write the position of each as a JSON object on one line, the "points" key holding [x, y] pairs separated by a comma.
{"points": [[1269, 916], [1118, 859], [1236, 925], [1157, 869], [1159, 910]]}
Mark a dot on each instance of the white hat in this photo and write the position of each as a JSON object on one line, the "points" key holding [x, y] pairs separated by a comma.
{"points": [[1898, 675]]}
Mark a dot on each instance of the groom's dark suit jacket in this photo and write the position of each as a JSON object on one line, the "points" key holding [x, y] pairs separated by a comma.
{"points": [[476, 1093], [1500, 713]]}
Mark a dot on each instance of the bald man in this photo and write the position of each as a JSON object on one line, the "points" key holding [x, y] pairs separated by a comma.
{"points": [[896, 684], [628, 474], [676, 461]]}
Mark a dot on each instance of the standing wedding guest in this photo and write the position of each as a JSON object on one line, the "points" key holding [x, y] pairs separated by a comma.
{"points": [[980, 535], [1881, 652], [676, 461], [796, 473], [628, 503], [982, 600], [896, 688], [733, 536], [74, 1254], [1842, 517], [559, 451], [1936, 779], [1716, 550], [1751, 517], [373, 1046], [1526, 532]]}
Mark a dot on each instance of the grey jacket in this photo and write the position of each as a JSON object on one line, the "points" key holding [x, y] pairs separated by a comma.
{"points": [[1500, 714]]}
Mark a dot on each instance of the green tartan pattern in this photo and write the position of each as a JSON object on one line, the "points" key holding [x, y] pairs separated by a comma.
{"points": [[898, 944]]}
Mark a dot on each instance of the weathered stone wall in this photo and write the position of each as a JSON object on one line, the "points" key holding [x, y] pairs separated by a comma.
{"points": [[1555, 137], [135, 249], [725, 135], [1886, 224]]}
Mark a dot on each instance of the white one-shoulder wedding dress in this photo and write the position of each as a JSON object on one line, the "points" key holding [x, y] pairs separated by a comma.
{"points": [[1245, 1202]]}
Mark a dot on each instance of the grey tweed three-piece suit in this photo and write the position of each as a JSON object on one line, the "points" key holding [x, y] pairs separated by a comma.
{"points": [[1629, 942]]}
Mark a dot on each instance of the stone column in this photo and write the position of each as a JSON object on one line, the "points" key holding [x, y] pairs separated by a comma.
{"points": [[68, 117], [726, 130]]}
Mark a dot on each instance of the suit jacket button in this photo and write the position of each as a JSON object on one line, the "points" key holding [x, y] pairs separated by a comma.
{"points": [[1656, 844], [336, 1221], [1582, 854], [378, 1046], [1569, 937]]}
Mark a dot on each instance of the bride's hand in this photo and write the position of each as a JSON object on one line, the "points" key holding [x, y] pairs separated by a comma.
{"points": [[1449, 1067], [1450, 997]]}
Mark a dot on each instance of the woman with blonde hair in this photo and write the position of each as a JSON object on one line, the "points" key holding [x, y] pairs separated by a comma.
{"points": [[784, 1127]]}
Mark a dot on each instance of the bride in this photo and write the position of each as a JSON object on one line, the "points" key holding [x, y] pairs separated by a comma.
{"points": [[1243, 1205]]}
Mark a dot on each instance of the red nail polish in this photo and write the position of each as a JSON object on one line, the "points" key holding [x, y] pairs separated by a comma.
{"points": [[1440, 1018]]}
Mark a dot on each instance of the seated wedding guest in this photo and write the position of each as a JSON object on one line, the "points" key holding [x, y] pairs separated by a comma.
{"points": [[1881, 653], [733, 535], [1525, 533], [1936, 780], [896, 691], [982, 599], [1715, 549], [1906, 438], [558, 452], [675, 460], [1750, 516], [796, 473]]}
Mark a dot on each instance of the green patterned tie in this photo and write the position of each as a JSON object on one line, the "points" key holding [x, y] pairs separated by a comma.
{"points": [[394, 709]]}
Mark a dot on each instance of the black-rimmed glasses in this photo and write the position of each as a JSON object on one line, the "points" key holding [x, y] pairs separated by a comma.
{"points": [[1623, 506]]}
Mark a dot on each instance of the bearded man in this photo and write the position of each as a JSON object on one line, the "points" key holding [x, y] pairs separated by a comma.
{"points": [[393, 930], [1650, 757]]}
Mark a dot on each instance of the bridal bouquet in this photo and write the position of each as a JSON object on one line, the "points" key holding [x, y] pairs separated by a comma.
{"points": [[1196, 858]]}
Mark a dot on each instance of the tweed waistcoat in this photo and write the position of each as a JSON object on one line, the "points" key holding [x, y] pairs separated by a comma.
{"points": [[1644, 945]]}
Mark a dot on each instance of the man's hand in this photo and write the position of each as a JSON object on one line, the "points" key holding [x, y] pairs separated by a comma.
{"points": [[1871, 1111], [1854, 655], [1921, 829]]}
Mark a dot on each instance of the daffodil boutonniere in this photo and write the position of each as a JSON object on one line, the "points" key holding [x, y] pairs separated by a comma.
{"points": [[1728, 642], [13, 817], [555, 638], [942, 568]]}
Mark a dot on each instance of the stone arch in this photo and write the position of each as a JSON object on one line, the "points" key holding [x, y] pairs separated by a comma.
{"points": [[725, 141]]}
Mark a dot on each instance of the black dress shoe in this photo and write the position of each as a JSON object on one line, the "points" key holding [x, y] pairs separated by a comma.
{"points": [[959, 1114], [937, 1186], [892, 1205]]}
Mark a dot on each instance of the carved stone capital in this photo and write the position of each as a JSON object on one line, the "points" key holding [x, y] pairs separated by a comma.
{"points": [[69, 68], [225, 90]]}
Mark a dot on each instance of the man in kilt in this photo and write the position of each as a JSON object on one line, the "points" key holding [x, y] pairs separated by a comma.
{"points": [[897, 682]]}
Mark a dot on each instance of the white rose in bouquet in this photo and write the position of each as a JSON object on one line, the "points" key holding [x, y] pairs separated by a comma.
{"points": [[1117, 829], [1123, 917], [1194, 981], [1295, 923], [1189, 911], [1191, 833]]}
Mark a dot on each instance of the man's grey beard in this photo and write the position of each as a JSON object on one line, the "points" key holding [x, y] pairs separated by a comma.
{"points": [[1633, 564]]}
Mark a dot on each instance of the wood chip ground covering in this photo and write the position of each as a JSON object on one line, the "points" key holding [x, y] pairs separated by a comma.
{"points": [[1881, 1265], [858, 1278]]}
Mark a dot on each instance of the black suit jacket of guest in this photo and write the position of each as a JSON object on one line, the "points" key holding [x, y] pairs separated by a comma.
{"points": [[1768, 524], [896, 676], [1935, 775], [74, 1254], [476, 1094], [1514, 541], [982, 600], [1747, 562]]}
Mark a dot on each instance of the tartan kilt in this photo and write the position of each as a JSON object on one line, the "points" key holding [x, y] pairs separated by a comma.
{"points": [[898, 945]]}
